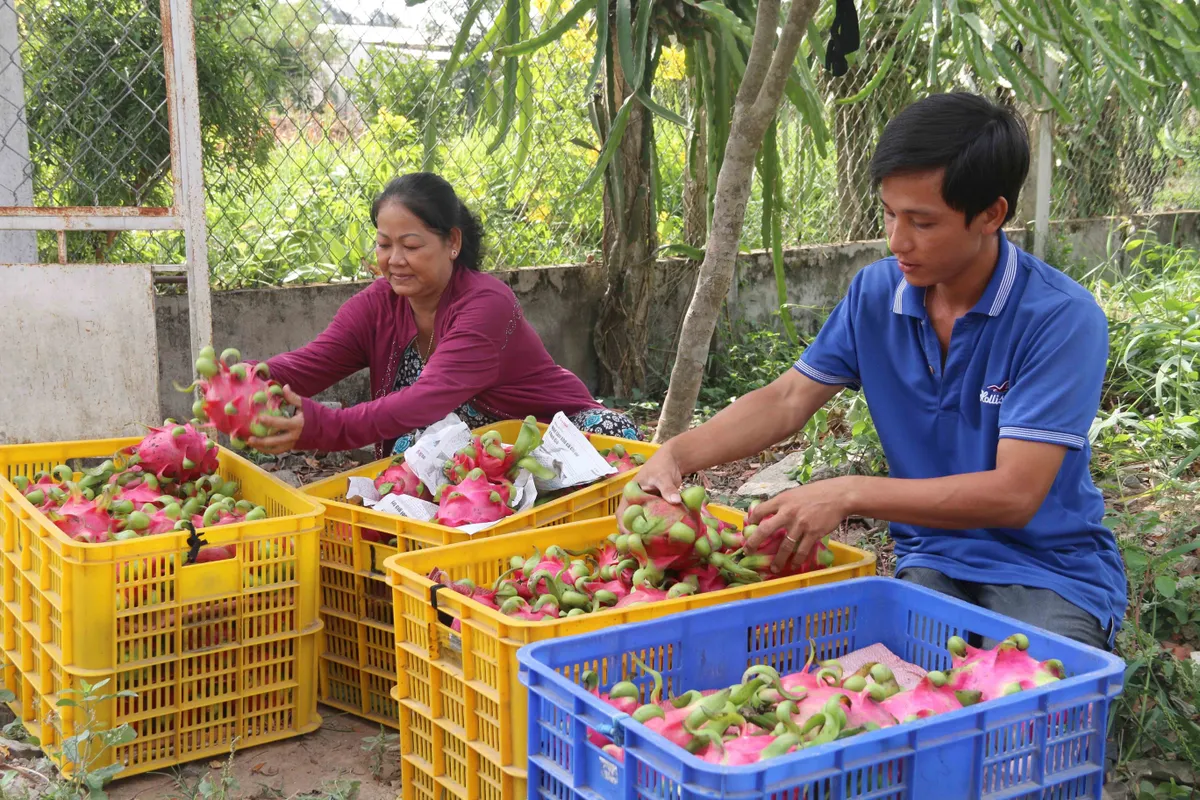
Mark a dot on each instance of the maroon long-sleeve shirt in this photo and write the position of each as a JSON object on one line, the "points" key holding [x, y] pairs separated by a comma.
{"points": [[486, 353]]}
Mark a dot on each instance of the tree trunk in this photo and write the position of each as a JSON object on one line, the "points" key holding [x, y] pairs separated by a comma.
{"points": [[630, 241], [695, 179], [756, 105]]}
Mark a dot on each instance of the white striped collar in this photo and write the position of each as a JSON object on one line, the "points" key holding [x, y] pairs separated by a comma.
{"points": [[907, 299]]}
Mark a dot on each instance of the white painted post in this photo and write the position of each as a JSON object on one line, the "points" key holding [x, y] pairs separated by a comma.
{"points": [[184, 93], [1045, 164], [16, 172]]}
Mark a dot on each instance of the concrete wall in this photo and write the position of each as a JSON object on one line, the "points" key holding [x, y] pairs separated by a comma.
{"points": [[561, 302]]}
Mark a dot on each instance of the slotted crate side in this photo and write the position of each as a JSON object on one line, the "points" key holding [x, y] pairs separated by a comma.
{"points": [[185, 708], [1041, 742], [469, 678], [349, 548], [202, 644]]}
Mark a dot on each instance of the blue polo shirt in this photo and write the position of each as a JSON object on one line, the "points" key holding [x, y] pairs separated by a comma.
{"points": [[1027, 362]]}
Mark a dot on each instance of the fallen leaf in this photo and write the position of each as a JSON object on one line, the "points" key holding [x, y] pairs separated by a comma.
{"points": [[216, 764], [4, 753], [263, 769]]}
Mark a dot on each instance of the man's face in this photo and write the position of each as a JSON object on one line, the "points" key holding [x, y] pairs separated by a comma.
{"points": [[930, 240]]}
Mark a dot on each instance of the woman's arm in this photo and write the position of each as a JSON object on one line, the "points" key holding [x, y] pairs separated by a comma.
{"points": [[337, 353], [464, 363]]}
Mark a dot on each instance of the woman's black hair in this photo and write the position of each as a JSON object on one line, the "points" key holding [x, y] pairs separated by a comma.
{"points": [[983, 147], [433, 201]]}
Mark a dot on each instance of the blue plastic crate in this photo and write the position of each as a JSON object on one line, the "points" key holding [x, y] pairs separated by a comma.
{"points": [[1041, 743]]}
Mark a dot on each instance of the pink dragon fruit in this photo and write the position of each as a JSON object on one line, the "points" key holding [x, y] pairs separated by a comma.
{"points": [[149, 521], [176, 453], [764, 554], [1003, 670], [234, 395], [748, 747], [930, 696], [473, 500], [399, 478], [44, 492], [86, 521], [704, 579], [622, 459], [642, 595], [500, 461], [659, 534], [611, 565]]}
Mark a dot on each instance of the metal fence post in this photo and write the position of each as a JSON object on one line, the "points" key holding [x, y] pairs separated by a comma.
{"points": [[183, 93], [16, 173], [1045, 164]]}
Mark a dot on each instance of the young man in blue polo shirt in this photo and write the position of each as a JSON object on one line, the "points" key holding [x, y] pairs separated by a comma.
{"points": [[982, 368]]}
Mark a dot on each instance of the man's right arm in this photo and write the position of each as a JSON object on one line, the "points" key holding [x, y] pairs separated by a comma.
{"points": [[751, 424]]}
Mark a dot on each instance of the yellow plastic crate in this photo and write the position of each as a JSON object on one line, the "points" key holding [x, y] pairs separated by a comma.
{"points": [[358, 663], [459, 693], [214, 651]]}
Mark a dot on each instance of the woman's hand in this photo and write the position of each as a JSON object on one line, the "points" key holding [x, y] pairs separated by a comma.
{"points": [[661, 474], [288, 429], [806, 513]]}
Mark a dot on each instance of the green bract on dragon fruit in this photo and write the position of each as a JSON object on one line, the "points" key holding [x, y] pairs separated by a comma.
{"points": [[166, 481], [768, 715], [660, 551]]}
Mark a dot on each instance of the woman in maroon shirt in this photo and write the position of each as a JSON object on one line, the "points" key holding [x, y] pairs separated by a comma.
{"points": [[437, 335]]}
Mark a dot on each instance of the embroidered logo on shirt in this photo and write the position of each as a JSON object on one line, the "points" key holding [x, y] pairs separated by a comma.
{"points": [[993, 395]]}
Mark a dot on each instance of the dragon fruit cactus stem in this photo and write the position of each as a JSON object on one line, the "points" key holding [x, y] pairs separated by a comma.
{"points": [[234, 395]]}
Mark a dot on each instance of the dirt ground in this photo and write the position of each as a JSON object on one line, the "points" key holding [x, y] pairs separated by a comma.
{"points": [[322, 764], [335, 762]]}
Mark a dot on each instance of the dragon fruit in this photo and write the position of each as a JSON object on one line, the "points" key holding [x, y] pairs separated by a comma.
{"points": [[1000, 671], [176, 452], [642, 595], [748, 747], [659, 534], [622, 459], [399, 478], [473, 500], [234, 395], [500, 461], [930, 696], [764, 554], [44, 491], [83, 520], [704, 579]]}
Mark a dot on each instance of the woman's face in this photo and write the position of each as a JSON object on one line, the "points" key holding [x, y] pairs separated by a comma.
{"points": [[416, 261]]}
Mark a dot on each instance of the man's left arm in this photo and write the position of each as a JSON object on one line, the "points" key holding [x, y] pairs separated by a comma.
{"points": [[1053, 399]]}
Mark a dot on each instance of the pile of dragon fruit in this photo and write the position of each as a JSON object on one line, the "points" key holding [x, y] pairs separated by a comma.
{"points": [[768, 715], [167, 479], [478, 485], [660, 551]]}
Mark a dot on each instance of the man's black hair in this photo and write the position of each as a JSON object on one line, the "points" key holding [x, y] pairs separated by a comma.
{"points": [[983, 147]]}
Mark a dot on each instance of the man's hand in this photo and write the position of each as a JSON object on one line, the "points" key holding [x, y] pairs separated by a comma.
{"points": [[288, 428], [807, 513], [661, 474]]}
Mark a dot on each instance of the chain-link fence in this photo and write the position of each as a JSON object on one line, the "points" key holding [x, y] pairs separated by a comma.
{"points": [[84, 120], [309, 106], [355, 97]]}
